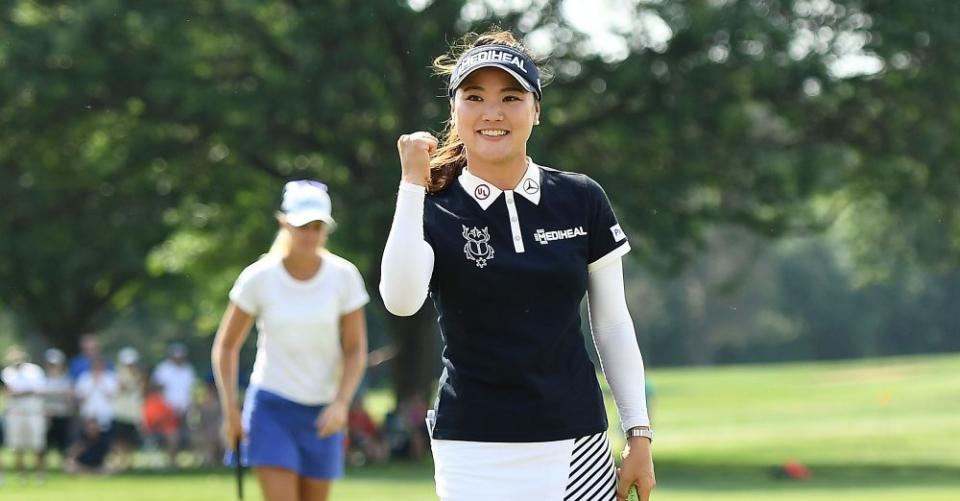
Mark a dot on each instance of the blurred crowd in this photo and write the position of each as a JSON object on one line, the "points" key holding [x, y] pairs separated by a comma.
{"points": [[95, 411], [99, 414]]}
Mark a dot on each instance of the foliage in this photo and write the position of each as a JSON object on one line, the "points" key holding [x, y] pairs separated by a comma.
{"points": [[144, 145]]}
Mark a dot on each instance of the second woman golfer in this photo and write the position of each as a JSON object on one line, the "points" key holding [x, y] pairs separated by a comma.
{"points": [[311, 352]]}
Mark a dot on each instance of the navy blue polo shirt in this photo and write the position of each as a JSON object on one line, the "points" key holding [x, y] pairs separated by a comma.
{"points": [[510, 272]]}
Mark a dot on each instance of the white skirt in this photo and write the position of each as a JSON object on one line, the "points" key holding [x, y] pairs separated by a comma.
{"points": [[579, 469]]}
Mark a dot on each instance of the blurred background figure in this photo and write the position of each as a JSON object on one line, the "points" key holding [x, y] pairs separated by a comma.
{"points": [[406, 430], [209, 421], [160, 422], [128, 408], [58, 403], [89, 351], [367, 442], [88, 454], [24, 422], [96, 390], [176, 376]]}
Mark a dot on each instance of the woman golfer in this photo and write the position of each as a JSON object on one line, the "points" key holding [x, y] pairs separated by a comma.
{"points": [[507, 249], [311, 352]]}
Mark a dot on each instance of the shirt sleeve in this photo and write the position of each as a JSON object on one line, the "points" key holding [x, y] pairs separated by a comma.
{"points": [[38, 379], [616, 342], [606, 240], [246, 291], [82, 388], [408, 258], [111, 385], [355, 293]]}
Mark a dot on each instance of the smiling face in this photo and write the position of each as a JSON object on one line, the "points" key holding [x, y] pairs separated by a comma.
{"points": [[494, 116]]}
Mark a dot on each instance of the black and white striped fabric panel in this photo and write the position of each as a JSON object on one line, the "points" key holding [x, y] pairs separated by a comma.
{"points": [[593, 476]]}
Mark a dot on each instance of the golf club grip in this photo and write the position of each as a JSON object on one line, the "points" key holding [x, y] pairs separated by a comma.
{"points": [[238, 467]]}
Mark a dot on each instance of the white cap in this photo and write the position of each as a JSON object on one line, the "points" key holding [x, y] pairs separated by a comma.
{"points": [[128, 355], [54, 356], [306, 201]]}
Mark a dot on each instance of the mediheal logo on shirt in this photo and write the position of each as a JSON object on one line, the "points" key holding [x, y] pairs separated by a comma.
{"points": [[545, 237]]}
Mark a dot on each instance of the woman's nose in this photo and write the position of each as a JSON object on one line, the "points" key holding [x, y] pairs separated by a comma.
{"points": [[493, 112]]}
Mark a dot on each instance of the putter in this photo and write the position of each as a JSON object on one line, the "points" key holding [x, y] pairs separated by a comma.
{"points": [[238, 468]]}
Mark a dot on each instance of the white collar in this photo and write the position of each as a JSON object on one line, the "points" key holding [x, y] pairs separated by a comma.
{"points": [[485, 193]]}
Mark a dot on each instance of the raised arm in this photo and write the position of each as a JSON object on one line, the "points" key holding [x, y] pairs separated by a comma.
{"points": [[407, 258]]}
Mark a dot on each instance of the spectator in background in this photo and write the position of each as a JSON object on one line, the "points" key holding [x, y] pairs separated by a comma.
{"points": [[208, 429], [95, 390], [367, 443], [128, 408], [89, 453], [58, 403], [24, 423], [406, 430], [89, 351], [176, 376], [160, 421]]}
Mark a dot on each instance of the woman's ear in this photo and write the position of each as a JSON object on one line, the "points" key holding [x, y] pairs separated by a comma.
{"points": [[536, 113]]}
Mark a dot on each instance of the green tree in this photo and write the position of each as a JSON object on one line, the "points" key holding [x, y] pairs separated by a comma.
{"points": [[144, 145]]}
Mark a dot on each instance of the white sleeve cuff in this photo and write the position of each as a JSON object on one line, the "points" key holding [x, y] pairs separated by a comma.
{"points": [[413, 188], [610, 257]]}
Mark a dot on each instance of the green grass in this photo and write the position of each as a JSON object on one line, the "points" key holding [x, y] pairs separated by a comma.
{"points": [[877, 430]]}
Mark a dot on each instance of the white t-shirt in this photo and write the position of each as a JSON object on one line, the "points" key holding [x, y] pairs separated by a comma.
{"points": [[26, 377], [128, 406], [58, 395], [96, 394], [177, 382], [299, 354]]}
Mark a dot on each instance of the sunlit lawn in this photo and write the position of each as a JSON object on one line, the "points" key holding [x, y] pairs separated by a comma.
{"points": [[878, 430]]}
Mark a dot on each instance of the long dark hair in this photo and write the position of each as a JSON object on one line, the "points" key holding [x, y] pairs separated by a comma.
{"points": [[451, 156]]}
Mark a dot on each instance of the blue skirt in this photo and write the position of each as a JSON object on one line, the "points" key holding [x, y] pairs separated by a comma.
{"points": [[283, 434]]}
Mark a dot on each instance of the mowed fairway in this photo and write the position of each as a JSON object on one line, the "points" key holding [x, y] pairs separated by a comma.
{"points": [[877, 430]]}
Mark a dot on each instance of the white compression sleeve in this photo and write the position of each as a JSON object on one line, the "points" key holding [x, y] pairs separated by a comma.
{"points": [[616, 343], [407, 263]]}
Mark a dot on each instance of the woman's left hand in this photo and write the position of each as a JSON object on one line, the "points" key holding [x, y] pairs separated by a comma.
{"points": [[332, 419], [636, 469]]}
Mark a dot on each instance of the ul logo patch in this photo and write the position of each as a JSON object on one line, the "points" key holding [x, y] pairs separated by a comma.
{"points": [[482, 192], [478, 248]]}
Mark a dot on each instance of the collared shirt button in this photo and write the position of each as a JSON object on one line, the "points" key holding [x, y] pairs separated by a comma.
{"points": [[513, 220], [517, 238], [510, 201]]}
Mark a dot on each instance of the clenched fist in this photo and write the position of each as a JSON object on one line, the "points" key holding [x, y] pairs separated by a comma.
{"points": [[415, 152]]}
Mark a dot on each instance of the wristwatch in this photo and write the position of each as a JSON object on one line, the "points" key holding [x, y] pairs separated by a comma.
{"points": [[641, 431]]}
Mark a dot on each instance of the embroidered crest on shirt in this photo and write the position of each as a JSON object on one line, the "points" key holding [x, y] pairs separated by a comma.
{"points": [[545, 237], [478, 248]]}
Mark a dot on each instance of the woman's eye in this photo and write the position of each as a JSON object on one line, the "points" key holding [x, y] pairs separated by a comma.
{"points": [[511, 98], [473, 97]]}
